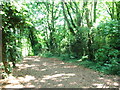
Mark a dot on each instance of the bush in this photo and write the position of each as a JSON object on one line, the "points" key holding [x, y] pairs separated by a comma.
{"points": [[108, 58], [107, 55], [110, 33]]}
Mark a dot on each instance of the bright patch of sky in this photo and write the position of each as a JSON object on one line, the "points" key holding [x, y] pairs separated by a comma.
{"points": [[40, 15], [60, 22], [40, 27]]}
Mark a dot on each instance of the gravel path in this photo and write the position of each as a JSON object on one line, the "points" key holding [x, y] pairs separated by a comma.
{"points": [[38, 72]]}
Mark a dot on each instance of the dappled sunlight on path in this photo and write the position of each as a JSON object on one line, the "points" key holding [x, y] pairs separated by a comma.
{"points": [[42, 72]]}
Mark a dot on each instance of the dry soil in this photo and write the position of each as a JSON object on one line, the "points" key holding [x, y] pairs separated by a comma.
{"points": [[39, 72]]}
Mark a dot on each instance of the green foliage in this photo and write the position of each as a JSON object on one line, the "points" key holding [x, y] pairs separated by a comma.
{"points": [[107, 47], [78, 42], [108, 69], [109, 33], [106, 54], [65, 57], [11, 35], [46, 54], [109, 59]]}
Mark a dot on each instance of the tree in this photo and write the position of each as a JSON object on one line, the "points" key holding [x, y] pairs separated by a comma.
{"points": [[12, 18]]}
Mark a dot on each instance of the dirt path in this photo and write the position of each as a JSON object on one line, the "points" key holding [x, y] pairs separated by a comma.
{"points": [[41, 72]]}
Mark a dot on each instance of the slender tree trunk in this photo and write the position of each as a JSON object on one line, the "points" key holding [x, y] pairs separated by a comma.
{"points": [[4, 60], [13, 55], [118, 10], [95, 5], [65, 16], [73, 24]]}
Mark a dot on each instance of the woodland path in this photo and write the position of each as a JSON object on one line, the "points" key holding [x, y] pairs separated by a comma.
{"points": [[39, 72]]}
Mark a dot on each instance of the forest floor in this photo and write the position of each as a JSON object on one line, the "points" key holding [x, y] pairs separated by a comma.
{"points": [[39, 72]]}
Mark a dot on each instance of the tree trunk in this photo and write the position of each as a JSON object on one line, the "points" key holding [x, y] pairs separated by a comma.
{"points": [[65, 16], [4, 60], [95, 5]]}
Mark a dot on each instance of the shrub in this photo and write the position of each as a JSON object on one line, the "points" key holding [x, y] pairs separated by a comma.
{"points": [[108, 58]]}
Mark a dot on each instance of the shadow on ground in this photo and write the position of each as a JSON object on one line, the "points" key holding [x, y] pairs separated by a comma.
{"points": [[41, 72]]}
